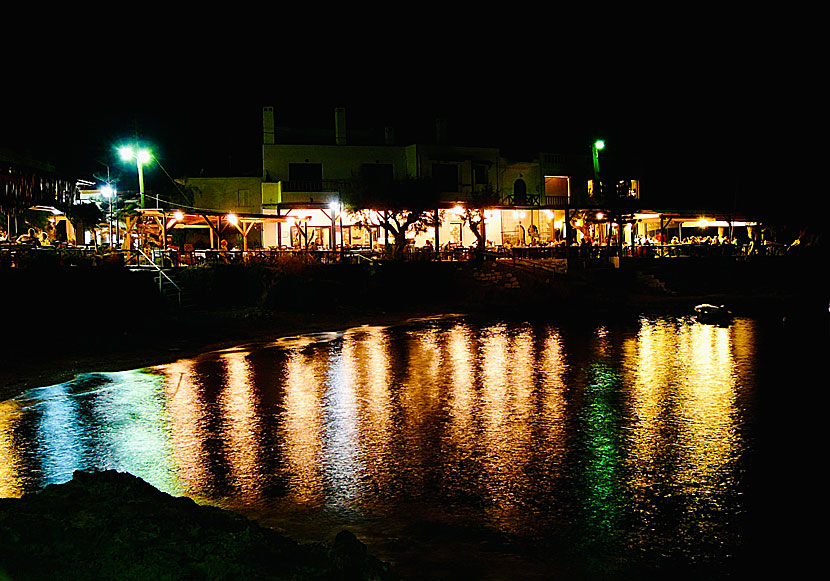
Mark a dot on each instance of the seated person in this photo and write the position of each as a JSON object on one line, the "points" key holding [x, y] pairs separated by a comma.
{"points": [[30, 237], [223, 251]]}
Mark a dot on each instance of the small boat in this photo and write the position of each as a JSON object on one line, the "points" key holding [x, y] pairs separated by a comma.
{"points": [[713, 314]]}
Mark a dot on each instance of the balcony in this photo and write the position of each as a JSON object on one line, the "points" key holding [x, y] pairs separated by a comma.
{"points": [[313, 186], [552, 161], [536, 200], [301, 191]]}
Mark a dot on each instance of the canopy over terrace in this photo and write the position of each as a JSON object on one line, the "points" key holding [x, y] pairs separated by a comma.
{"points": [[695, 219], [159, 222], [604, 224]]}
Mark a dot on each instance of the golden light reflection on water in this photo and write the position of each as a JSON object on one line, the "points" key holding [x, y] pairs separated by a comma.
{"points": [[302, 426], [683, 382], [423, 379], [188, 422], [511, 425], [506, 416], [553, 366], [10, 464], [241, 423], [462, 393], [342, 438], [366, 367], [651, 366], [706, 399]]}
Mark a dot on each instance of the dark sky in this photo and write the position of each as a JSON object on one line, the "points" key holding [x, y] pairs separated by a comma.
{"points": [[685, 126], [191, 133]]}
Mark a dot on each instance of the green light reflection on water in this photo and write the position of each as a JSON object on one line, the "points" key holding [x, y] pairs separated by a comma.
{"points": [[602, 501], [629, 437], [101, 421], [135, 428]]}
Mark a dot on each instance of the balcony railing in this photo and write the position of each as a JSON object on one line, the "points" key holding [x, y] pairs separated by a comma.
{"points": [[536, 200], [313, 185], [556, 201]]}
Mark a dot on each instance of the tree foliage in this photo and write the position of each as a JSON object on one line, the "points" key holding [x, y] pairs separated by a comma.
{"points": [[473, 216], [394, 205], [88, 214]]}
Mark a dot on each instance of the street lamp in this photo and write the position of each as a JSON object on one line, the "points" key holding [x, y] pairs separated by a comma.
{"points": [[595, 149], [141, 157], [336, 208], [108, 192], [598, 145]]}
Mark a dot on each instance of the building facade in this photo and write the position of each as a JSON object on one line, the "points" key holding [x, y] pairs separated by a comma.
{"points": [[530, 198]]}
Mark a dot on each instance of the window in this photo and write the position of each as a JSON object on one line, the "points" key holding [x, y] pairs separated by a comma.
{"points": [[377, 175], [556, 186], [445, 176], [305, 177], [243, 198], [628, 189], [553, 159], [479, 175], [305, 172]]}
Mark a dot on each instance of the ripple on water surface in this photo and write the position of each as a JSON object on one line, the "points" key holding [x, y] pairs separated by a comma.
{"points": [[594, 448]]}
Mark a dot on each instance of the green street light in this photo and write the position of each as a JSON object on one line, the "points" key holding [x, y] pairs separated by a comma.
{"points": [[141, 157], [595, 148]]}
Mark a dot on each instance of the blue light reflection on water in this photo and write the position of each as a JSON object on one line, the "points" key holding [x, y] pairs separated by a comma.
{"points": [[97, 421], [627, 441]]}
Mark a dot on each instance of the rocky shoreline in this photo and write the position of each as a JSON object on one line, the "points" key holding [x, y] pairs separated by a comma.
{"points": [[111, 525]]}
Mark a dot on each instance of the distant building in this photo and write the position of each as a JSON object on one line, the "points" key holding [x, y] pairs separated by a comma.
{"points": [[227, 194], [25, 183], [30, 184]]}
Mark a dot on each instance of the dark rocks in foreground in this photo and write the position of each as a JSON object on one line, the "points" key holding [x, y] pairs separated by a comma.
{"points": [[111, 525]]}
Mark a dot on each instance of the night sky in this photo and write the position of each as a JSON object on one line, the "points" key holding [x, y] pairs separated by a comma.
{"points": [[688, 131]]}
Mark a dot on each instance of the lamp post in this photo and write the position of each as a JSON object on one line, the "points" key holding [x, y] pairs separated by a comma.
{"points": [[598, 145], [336, 209], [141, 157], [108, 192]]}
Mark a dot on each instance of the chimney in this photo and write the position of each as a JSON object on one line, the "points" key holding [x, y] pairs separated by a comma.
{"points": [[441, 131], [340, 126], [268, 125], [389, 136]]}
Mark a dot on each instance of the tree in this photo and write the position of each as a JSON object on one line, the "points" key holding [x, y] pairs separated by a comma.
{"points": [[474, 213], [89, 215], [395, 205]]}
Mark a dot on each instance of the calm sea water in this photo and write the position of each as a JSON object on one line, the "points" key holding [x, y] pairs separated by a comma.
{"points": [[454, 447]]}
